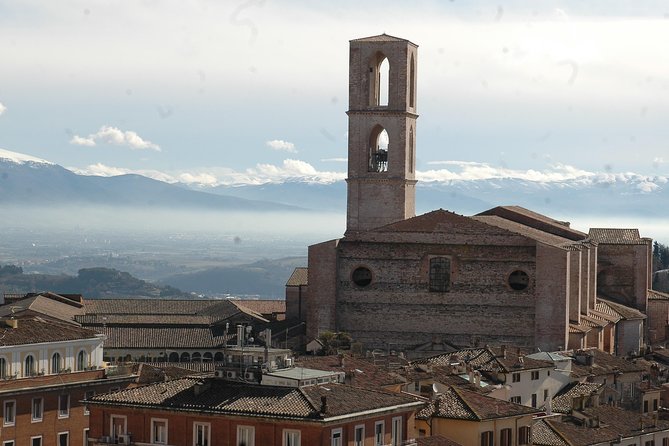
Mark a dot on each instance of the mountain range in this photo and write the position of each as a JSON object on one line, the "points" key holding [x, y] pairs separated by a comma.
{"points": [[30, 181]]}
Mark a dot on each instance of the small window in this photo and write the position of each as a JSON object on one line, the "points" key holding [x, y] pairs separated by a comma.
{"points": [[87, 396], [645, 406], [396, 433], [655, 404], [487, 438], [245, 436], [201, 434], [291, 438], [82, 360], [534, 400], [650, 443], [535, 375], [519, 280], [359, 436], [335, 437], [515, 377], [362, 276], [85, 436], [665, 441], [505, 437], [3, 368], [545, 394], [524, 435], [8, 443], [36, 441], [63, 406], [29, 366], [158, 431], [63, 439], [440, 274], [37, 409], [379, 433], [9, 413], [515, 399]]}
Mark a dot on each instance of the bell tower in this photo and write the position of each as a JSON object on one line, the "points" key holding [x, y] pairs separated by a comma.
{"points": [[381, 132]]}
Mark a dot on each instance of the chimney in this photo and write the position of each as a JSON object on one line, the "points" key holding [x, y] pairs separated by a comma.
{"points": [[201, 387], [349, 377], [324, 405], [504, 351], [437, 405], [342, 361], [14, 323]]}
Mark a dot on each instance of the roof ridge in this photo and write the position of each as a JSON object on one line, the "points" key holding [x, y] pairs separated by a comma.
{"points": [[457, 393], [557, 432]]}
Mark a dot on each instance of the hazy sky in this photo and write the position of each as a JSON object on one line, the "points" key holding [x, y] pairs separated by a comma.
{"points": [[243, 91]]}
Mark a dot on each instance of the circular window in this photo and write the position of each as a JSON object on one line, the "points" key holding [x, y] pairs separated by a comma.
{"points": [[362, 276], [519, 280]]}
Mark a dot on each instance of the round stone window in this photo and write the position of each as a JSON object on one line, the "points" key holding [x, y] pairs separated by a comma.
{"points": [[519, 280], [362, 276]]}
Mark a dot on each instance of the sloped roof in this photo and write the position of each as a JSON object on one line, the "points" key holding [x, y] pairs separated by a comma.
{"points": [[524, 230], [538, 221], [249, 399], [439, 220], [544, 435], [48, 304], [657, 295], [488, 359], [563, 401], [625, 312], [616, 236], [382, 38], [435, 440], [143, 319], [365, 373], [462, 404], [161, 337], [148, 306], [33, 329], [613, 423], [299, 277], [604, 364], [261, 307]]}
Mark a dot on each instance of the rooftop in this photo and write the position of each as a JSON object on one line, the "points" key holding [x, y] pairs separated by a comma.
{"points": [[299, 277], [34, 329], [616, 236]]}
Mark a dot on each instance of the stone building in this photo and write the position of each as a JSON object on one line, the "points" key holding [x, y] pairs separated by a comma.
{"points": [[505, 276]]}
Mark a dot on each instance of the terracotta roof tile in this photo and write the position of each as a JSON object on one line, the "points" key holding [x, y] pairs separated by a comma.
{"points": [[616, 236], [161, 337], [544, 435], [624, 311], [462, 404], [364, 373], [34, 329], [299, 277], [435, 440], [148, 306], [657, 295], [248, 399], [538, 221], [48, 304], [563, 400], [525, 231], [263, 307]]}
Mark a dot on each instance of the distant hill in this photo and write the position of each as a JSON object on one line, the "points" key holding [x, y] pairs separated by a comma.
{"points": [[91, 282], [28, 181], [265, 277]]}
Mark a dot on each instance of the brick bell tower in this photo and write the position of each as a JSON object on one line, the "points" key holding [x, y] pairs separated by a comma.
{"points": [[381, 132]]}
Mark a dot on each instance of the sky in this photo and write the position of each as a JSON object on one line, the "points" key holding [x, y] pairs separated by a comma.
{"points": [[234, 92]]}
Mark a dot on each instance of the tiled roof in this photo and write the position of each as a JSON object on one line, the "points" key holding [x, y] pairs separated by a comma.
{"points": [[148, 306], [48, 304], [613, 423], [657, 295], [439, 220], [299, 277], [262, 306], [563, 400], [544, 435], [578, 329], [604, 364], [525, 231], [462, 404], [542, 222], [35, 329], [488, 359], [435, 440], [593, 322], [363, 372], [248, 399], [143, 319], [616, 236], [380, 38], [161, 337], [625, 312]]}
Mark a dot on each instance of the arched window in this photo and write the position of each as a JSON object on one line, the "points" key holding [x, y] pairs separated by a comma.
{"points": [[174, 357], [185, 357], [378, 150], [411, 150], [29, 366], [197, 357], [379, 80], [207, 357], [82, 360], [3, 368], [412, 83], [218, 357], [56, 363]]}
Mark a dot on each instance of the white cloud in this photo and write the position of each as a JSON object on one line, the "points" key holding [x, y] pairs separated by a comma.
{"points": [[2, 108], [113, 135], [278, 144], [103, 170], [334, 160], [205, 179]]}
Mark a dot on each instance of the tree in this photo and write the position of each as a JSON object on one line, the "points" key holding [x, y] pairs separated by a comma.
{"points": [[660, 256], [333, 342]]}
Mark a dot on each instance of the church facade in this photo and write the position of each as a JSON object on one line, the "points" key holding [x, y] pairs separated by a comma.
{"points": [[505, 276]]}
